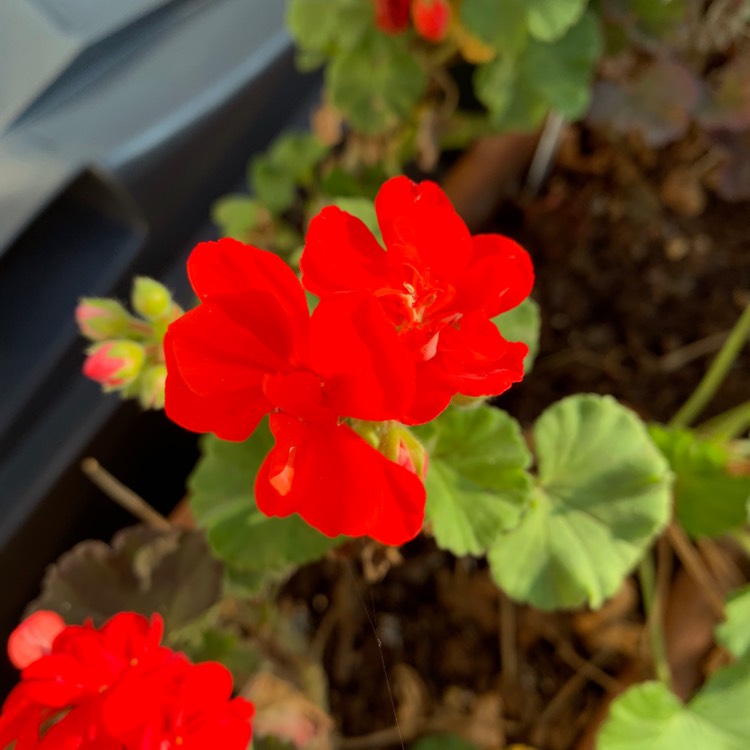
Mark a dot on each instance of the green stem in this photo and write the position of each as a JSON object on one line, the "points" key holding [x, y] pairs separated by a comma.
{"points": [[729, 424], [652, 605], [716, 373]]}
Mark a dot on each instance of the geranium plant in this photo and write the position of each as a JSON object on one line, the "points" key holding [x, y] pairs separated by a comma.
{"points": [[348, 333]]}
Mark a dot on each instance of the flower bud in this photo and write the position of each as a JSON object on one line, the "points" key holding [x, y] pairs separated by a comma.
{"points": [[151, 387], [399, 444], [151, 299], [100, 319], [432, 18], [114, 364], [391, 16]]}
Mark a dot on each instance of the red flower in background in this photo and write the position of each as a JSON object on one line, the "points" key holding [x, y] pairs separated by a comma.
{"points": [[392, 16], [437, 285], [251, 348], [116, 688], [432, 18]]}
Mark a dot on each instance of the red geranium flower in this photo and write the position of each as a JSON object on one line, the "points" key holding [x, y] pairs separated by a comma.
{"points": [[115, 688], [251, 348], [392, 16], [437, 285], [432, 18]]}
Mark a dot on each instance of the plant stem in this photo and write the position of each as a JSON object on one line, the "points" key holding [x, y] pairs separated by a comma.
{"points": [[729, 424], [654, 618], [715, 374], [123, 496]]}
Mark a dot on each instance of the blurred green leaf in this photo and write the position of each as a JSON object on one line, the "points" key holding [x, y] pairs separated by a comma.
{"points": [[236, 215], [501, 24], [143, 570], [323, 28], [519, 92], [602, 497], [477, 484], [377, 84], [709, 501], [734, 632], [562, 71], [522, 323], [275, 175], [548, 21], [221, 498], [650, 716]]}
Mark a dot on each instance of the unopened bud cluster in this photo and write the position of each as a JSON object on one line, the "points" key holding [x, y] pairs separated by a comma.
{"points": [[127, 353]]}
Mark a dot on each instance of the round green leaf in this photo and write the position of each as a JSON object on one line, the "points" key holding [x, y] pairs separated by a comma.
{"points": [[501, 24], [236, 215], [650, 716], [709, 501], [551, 20], [221, 498], [477, 484], [561, 72], [603, 495], [377, 84]]}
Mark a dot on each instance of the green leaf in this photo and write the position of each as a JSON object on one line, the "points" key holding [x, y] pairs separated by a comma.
{"points": [[603, 494], [549, 21], [236, 215], [290, 163], [377, 84], [221, 498], [561, 72], [143, 570], [501, 24], [477, 484], [443, 742], [326, 27], [734, 633], [364, 210], [709, 501], [650, 716], [522, 323]]}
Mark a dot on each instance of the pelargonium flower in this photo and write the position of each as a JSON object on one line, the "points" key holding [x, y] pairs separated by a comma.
{"points": [[251, 348], [116, 688], [392, 16], [438, 286]]}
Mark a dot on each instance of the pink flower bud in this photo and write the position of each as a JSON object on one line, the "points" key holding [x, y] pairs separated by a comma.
{"points": [[432, 18], [100, 319], [411, 453], [151, 387], [151, 299], [114, 364]]}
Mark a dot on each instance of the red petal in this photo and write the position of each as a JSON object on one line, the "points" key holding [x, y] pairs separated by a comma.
{"points": [[420, 226], [500, 277], [215, 354], [367, 370], [433, 394], [230, 416], [340, 484], [227, 267], [34, 637], [341, 254], [478, 359]]}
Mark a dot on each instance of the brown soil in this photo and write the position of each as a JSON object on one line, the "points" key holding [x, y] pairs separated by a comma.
{"points": [[635, 263]]}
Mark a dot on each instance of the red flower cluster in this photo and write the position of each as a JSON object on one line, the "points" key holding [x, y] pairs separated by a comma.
{"points": [[432, 18], [116, 688], [395, 336]]}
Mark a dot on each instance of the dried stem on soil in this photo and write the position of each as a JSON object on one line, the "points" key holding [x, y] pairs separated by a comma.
{"points": [[123, 496], [697, 569]]}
